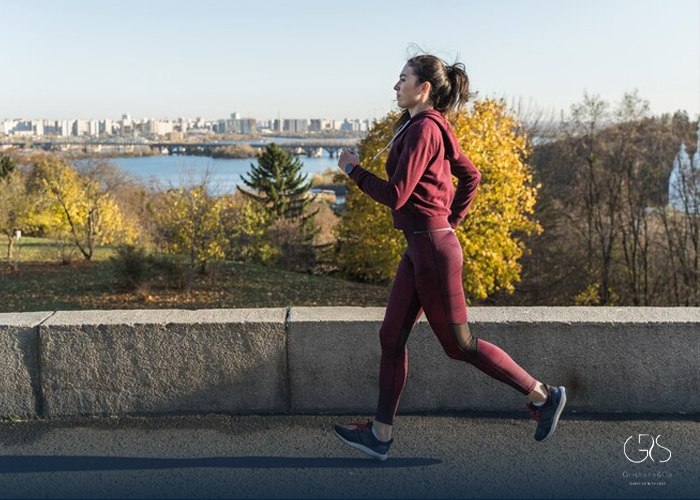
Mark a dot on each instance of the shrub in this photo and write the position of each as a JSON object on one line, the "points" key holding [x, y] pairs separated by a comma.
{"points": [[294, 251], [136, 270], [132, 267]]}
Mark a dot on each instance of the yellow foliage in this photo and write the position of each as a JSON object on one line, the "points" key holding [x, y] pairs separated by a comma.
{"points": [[75, 207], [503, 209], [243, 226], [188, 222], [370, 248]]}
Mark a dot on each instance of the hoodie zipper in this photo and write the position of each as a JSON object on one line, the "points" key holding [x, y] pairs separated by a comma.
{"points": [[401, 128]]}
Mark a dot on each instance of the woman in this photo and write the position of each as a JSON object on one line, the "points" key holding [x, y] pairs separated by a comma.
{"points": [[424, 205]]}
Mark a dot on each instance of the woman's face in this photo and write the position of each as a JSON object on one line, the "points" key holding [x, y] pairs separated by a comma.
{"points": [[409, 92]]}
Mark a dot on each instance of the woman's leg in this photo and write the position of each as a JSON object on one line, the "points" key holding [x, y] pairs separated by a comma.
{"points": [[402, 312], [437, 258]]}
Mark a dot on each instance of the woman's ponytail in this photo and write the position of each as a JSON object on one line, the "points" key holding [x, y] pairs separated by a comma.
{"points": [[459, 91]]}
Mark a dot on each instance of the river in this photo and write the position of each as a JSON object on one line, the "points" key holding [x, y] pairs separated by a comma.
{"points": [[224, 174]]}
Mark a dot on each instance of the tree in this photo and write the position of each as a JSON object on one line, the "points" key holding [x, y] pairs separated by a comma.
{"points": [[608, 238], [368, 246], [15, 207], [243, 226], [503, 212], [188, 224], [282, 190], [632, 136], [278, 184], [681, 221], [76, 207], [491, 234], [131, 196], [683, 249], [7, 166]]}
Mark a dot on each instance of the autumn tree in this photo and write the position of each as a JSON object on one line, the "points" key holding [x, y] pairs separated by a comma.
{"points": [[243, 227], [491, 234], [15, 207], [368, 246], [76, 207], [681, 222], [131, 196], [608, 237], [187, 219]]}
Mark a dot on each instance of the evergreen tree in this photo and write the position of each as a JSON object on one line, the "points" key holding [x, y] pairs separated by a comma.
{"points": [[7, 166], [279, 185]]}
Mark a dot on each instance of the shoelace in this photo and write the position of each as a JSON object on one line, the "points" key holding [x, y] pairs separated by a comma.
{"points": [[361, 426]]}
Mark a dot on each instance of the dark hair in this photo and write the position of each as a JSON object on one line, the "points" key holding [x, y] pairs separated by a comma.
{"points": [[449, 85]]}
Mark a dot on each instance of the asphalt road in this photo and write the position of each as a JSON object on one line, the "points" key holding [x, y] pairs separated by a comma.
{"points": [[433, 456]]}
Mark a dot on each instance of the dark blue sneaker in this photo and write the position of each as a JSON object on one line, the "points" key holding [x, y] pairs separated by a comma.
{"points": [[362, 438], [547, 415]]}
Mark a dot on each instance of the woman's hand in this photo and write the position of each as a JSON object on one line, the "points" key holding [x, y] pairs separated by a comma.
{"points": [[348, 155]]}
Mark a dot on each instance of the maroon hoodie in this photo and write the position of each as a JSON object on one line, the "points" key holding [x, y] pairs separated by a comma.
{"points": [[420, 166]]}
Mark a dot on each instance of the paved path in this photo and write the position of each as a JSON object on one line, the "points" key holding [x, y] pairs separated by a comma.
{"points": [[448, 456]]}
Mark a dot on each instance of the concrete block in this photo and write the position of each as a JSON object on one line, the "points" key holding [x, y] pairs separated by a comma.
{"points": [[167, 361], [610, 359], [334, 357], [19, 384]]}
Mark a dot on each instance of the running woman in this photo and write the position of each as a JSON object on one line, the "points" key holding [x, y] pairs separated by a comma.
{"points": [[424, 155]]}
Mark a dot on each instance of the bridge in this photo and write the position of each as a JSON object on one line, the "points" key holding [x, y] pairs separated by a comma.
{"points": [[310, 148], [52, 145]]}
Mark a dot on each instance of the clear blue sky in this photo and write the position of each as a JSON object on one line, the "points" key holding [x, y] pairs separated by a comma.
{"points": [[307, 58]]}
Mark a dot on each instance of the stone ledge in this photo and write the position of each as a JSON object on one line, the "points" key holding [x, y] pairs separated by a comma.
{"points": [[159, 362], [610, 359], [326, 359], [19, 384]]}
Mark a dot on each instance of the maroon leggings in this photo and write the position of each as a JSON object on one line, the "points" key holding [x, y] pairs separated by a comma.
{"points": [[429, 278]]}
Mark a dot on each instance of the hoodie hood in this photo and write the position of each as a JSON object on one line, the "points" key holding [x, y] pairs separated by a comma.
{"points": [[448, 136], [419, 187]]}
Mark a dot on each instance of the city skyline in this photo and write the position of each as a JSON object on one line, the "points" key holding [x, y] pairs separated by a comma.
{"points": [[183, 126], [128, 116], [309, 59]]}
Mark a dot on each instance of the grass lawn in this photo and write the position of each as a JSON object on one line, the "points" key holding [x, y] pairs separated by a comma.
{"points": [[43, 284], [46, 250]]}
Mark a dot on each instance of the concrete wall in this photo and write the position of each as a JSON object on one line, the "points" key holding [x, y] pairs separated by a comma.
{"points": [[325, 359], [170, 361], [19, 377]]}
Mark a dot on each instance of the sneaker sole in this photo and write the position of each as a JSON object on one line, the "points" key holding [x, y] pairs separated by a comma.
{"points": [[557, 414], [369, 451]]}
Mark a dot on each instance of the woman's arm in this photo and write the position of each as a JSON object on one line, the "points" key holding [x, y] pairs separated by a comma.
{"points": [[421, 143], [468, 178]]}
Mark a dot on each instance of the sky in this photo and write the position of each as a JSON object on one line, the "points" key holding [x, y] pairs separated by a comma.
{"points": [[66, 59]]}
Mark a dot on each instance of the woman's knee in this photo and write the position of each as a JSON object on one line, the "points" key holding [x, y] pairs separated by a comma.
{"points": [[463, 345], [391, 342], [466, 342]]}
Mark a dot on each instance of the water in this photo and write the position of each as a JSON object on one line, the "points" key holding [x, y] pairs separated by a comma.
{"points": [[224, 174]]}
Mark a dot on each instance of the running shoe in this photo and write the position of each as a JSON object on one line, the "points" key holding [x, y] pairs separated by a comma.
{"points": [[547, 415], [362, 438]]}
